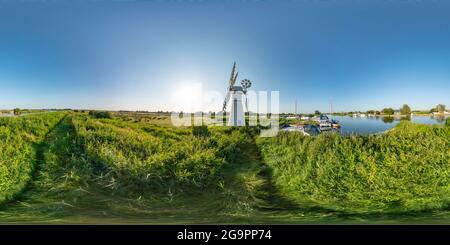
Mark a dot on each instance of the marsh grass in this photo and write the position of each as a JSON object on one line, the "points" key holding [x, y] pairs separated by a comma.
{"points": [[97, 170], [114, 170], [406, 169], [20, 139]]}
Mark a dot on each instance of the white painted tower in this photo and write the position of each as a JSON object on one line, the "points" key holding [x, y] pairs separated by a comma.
{"points": [[237, 116], [235, 96]]}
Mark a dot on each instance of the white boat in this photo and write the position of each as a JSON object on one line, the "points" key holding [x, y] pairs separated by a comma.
{"points": [[324, 122], [308, 130], [311, 130], [325, 125], [292, 128]]}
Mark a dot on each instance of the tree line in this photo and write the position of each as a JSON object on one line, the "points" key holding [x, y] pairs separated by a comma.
{"points": [[404, 110]]}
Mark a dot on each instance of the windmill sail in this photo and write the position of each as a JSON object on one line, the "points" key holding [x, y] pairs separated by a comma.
{"points": [[227, 98], [233, 76], [234, 79]]}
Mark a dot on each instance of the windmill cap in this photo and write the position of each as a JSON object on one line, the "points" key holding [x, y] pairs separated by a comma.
{"points": [[237, 88]]}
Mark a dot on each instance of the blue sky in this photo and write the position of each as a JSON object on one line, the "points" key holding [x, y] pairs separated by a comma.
{"points": [[132, 54]]}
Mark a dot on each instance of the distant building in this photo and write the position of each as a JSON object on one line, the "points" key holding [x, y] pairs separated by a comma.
{"points": [[441, 113]]}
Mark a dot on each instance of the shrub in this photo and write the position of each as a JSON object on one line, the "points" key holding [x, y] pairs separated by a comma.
{"points": [[388, 111], [200, 131], [17, 111], [440, 108], [100, 114], [405, 110]]}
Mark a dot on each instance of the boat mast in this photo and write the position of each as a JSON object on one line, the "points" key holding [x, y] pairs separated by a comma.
{"points": [[331, 107]]}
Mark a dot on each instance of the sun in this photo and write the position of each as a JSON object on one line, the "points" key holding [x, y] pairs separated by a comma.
{"points": [[187, 97]]}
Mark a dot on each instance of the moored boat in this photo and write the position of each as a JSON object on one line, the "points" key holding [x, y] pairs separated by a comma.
{"points": [[335, 124]]}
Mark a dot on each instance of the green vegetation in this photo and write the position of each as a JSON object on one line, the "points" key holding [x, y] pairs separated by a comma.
{"points": [[100, 114], [341, 113], [405, 110], [440, 108], [135, 167], [406, 169], [147, 158], [388, 111], [17, 111], [86, 163], [417, 112], [19, 139]]}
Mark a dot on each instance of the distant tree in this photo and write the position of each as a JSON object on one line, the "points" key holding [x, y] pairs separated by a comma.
{"points": [[317, 112], [377, 112], [405, 110], [388, 111], [17, 111], [433, 110], [370, 112], [440, 108], [100, 114]]}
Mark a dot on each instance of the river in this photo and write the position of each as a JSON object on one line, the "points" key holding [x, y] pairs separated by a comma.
{"points": [[375, 124]]}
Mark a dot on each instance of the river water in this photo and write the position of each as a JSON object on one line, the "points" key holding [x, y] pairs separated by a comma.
{"points": [[369, 125]]}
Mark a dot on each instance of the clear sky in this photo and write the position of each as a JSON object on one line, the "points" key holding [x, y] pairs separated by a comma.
{"points": [[132, 55]]}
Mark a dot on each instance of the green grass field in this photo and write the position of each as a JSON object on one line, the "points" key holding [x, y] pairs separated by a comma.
{"points": [[66, 167]]}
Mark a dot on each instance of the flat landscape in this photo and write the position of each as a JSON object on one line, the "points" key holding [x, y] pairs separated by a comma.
{"points": [[101, 167]]}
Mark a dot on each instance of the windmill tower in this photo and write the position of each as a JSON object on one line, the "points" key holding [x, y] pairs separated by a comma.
{"points": [[234, 96]]}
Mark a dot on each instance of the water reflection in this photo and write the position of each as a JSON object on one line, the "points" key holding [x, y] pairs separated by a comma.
{"points": [[387, 119], [439, 119], [375, 124], [407, 118]]}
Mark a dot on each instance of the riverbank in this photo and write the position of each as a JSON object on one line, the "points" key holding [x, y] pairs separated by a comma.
{"points": [[402, 170]]}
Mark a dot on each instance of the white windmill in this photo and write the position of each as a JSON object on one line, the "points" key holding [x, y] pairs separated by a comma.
{"points": [[235, 94]]}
